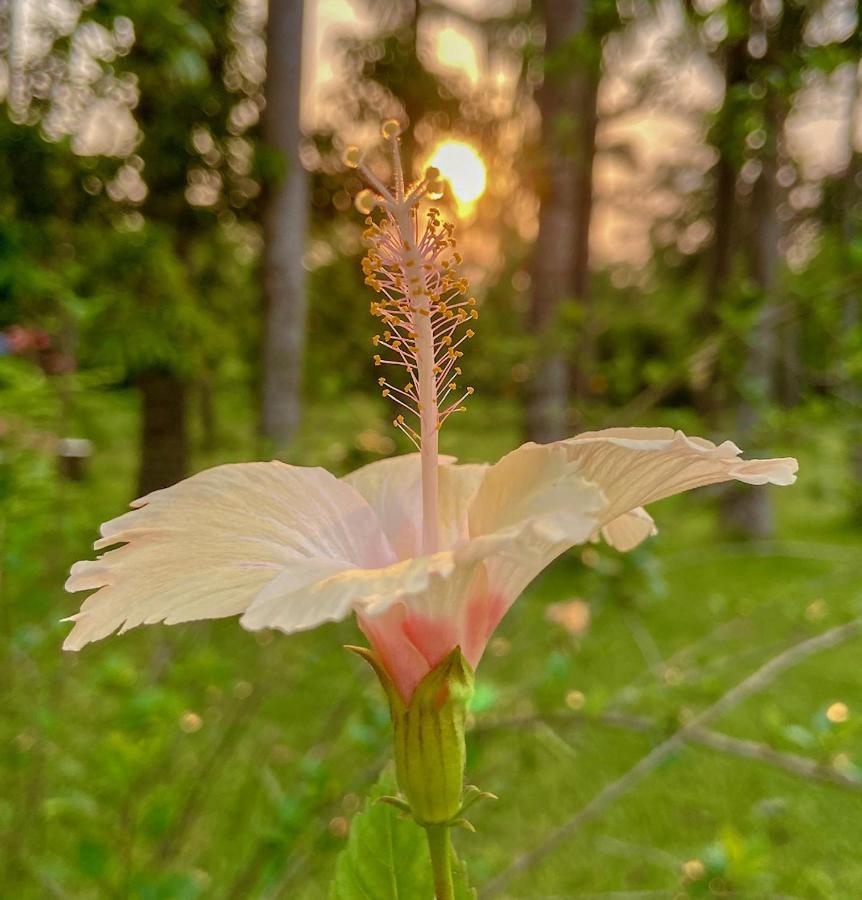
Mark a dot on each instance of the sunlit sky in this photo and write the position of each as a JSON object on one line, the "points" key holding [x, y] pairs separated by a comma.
{"points": [[632, 145], [817, 129]]}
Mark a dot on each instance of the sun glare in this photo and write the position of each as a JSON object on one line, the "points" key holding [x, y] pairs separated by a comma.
{"points": [[461, 165]]}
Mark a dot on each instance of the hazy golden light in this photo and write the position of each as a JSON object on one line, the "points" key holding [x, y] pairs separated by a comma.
{"points": [[461, 165], [456, 51]]}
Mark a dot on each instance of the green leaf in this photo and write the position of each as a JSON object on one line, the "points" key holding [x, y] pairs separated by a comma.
{"points": [[386, 857]]}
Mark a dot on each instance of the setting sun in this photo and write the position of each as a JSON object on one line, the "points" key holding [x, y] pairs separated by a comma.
{"points": [[461, 165]]}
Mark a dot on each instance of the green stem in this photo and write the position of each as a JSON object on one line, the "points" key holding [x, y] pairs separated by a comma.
{"points": [[440, 846]]}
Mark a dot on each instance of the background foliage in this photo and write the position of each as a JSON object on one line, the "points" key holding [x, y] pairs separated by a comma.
{"points": [[205, 761]]}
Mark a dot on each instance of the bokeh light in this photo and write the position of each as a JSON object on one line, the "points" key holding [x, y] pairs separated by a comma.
{"points": [[462, 166]]}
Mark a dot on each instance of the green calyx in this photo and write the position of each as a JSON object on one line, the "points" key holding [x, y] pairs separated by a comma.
{"points": [[429, 742]]}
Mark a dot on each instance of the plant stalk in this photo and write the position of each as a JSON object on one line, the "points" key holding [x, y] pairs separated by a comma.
{"points": [[440, 847]]}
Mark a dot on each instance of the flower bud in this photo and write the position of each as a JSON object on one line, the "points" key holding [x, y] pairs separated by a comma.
{"points": [[428, 734]]}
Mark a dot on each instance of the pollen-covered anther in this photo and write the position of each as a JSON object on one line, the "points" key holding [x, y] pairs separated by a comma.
{"points": [[412, 264]]}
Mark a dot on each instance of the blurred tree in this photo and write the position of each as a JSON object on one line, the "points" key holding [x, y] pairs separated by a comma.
{"points": [[561, 104], [285, 224], [851, 214], [567, 103], [140, 168]]}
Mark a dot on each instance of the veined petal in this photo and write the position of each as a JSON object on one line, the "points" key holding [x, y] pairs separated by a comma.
{"points": [[630, 529], [539, 486], [393, 489], [637, 466], [372, 590], [529, 508], [456, 488], [205, 547]]}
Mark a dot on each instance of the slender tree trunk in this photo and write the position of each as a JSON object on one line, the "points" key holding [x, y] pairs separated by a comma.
{"points": [[851, 310], [284, 224], [708, 390], [163, 456], [584, 365], [747, 512], [559, 100]]}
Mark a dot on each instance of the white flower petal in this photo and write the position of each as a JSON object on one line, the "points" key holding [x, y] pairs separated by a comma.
{"points": [[371, 590], [205, 547], [458, 485], [637, 466], [630, 529], [393, 489], [539, 485], [530, 507]]}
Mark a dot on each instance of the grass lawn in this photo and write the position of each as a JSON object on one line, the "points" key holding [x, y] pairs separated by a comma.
{"points": [[204, 761]]}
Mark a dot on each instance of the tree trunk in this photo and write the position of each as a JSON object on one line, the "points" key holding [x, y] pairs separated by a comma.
{"points": [[285, 221], [851, 309], [163, 456], [746, 512], [560, 103], [584, 365], [708, 390]]}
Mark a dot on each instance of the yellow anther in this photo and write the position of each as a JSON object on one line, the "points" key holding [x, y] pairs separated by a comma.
{"points": [[381, 381], [375, 340], [470, 390], [377, 360], [469, 333]]}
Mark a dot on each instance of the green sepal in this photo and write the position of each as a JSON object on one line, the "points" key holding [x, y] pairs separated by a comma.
{"points": [[397, 802], [429, 737]]}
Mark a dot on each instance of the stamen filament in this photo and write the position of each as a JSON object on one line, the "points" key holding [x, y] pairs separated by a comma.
{"points": [[413, 271]]}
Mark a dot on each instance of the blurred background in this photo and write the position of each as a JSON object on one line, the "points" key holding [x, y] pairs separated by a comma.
{"points": [[659, 205]]}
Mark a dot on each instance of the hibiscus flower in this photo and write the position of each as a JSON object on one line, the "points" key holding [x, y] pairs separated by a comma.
{"points": [[428, 554], [291, 547]]}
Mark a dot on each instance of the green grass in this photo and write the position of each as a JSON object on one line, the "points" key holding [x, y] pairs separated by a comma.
{"points": [[204, 761]]}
